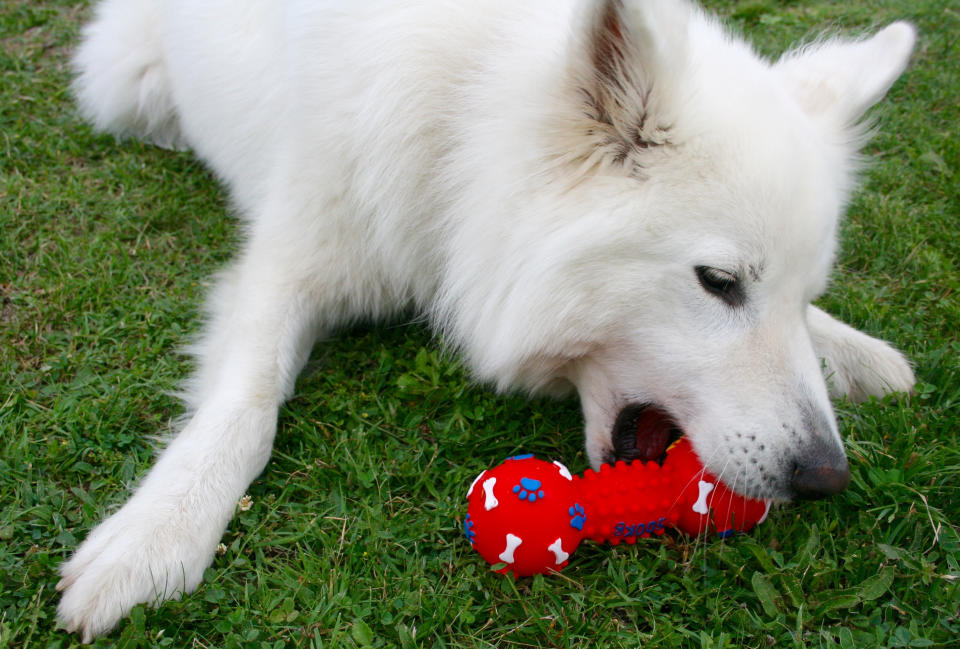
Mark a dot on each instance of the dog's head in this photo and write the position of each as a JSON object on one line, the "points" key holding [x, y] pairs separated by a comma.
{"points": [[699, 189], [740, 171]]}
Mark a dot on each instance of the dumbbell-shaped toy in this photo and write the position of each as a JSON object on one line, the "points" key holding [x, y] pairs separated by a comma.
{"points": [[530, 514]]}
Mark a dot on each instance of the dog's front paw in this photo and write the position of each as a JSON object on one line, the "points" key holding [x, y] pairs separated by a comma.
{"points": [[870, 367], [133, 557], [857, 365]]}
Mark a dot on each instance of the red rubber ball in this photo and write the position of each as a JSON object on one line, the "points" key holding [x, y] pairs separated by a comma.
{"points": [[524, 514]]}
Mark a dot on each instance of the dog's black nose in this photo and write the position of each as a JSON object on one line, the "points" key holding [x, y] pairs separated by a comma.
{"points": [[819, 481], [822, 471]]}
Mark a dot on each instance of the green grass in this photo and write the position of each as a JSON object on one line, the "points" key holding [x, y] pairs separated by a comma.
{"points": [[353, 538]]}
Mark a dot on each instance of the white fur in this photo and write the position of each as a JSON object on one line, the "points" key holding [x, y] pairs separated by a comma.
{"points": [[475, 161]]}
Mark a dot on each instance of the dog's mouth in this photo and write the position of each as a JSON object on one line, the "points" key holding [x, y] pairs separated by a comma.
{"points": [[643, 432]]}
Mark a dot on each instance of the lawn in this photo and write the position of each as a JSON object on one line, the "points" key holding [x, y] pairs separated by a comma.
{"points": [[353, 536]]}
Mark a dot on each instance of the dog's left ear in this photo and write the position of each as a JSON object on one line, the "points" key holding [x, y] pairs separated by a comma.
{"points": [[627, 60], [839, 80]]}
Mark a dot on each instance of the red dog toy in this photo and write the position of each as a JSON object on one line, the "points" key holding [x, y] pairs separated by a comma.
{"points": [[530, 514]]}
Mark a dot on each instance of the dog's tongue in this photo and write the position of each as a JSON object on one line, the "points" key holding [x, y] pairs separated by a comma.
{"points": [[653, 434]]}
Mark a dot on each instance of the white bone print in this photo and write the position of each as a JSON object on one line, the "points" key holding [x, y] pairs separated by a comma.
{"points": [[701, 505], [557, 548], [564, 471], [513, 542], [490, 501]]}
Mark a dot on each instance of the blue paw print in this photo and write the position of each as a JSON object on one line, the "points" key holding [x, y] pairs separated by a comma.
{"points": [[528, 489], [577, 516], [468, 529]]}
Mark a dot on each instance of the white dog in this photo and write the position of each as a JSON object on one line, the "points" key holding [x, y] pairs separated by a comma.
{"points": [[616, 196]]}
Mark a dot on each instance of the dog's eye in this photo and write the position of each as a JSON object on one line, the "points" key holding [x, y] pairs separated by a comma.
{"points": [[724, 285]]}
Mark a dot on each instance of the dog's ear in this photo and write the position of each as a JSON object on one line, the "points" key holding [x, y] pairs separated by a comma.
{"points": [[630, 55], [839, 80]]}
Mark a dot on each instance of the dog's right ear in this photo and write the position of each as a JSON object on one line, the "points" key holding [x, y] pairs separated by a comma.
{"points": [[837, 80], [628, 58]]}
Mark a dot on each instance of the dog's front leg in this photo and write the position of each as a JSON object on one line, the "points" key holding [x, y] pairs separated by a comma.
{"points": [[856, 365], [159, 543]]}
